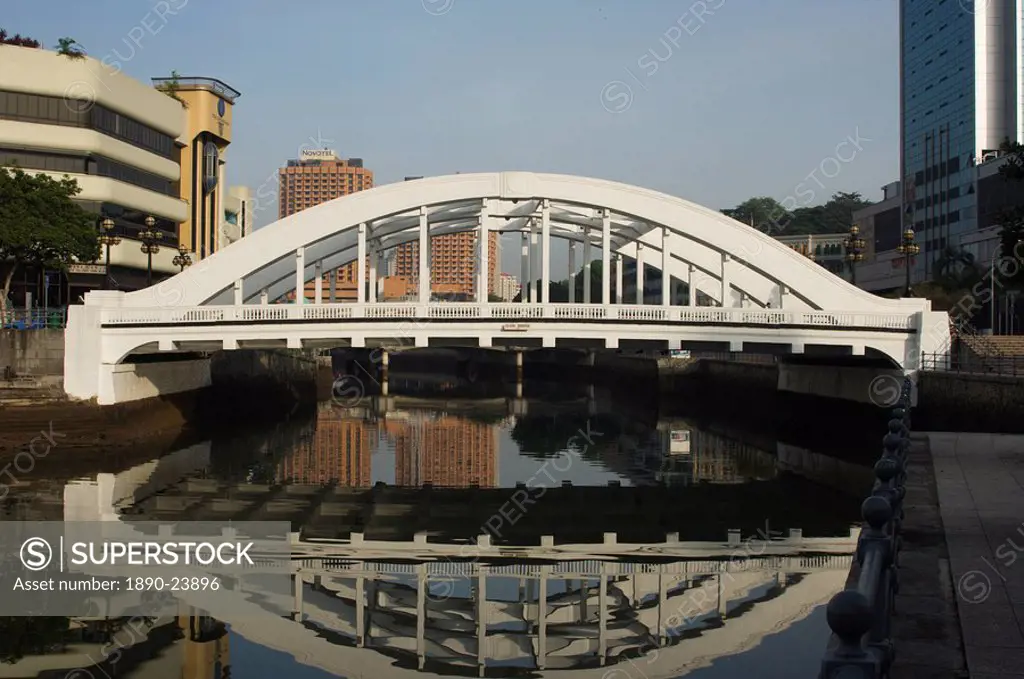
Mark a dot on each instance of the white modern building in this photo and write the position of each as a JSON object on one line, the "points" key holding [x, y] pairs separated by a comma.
{"points": [[111, 133], [237, 215], [508, 287]]}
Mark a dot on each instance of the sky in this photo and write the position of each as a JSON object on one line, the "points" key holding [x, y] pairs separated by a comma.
{"points": [[713, 101]]}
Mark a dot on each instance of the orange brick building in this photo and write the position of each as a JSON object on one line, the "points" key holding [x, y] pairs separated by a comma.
{"points": [[340, 452], [317, 177], [449, 452], [453, 263]]}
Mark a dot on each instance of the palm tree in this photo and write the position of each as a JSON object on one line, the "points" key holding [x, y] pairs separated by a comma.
{"points": [[70, 48]]}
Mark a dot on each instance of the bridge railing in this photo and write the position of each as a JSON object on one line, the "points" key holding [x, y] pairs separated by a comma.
{"points": [[860, 617], [423, 313]]}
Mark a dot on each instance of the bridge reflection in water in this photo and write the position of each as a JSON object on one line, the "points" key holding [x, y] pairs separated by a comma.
{"points": [[683, 560]]}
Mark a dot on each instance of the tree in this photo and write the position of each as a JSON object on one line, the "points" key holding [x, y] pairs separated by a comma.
{"points": [[70, 48], [763, 213], [18, 40], [41, 225]]}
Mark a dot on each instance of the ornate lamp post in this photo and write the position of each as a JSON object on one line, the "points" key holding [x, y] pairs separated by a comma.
{"points": [[107, 239], [908, 248], [854, 251], [150, 239], [182, 259]]}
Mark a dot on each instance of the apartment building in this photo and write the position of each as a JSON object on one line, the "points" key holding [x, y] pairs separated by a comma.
{"points": [[316, 177]]}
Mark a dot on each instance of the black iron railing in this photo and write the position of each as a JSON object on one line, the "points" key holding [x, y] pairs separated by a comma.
{"points": [[860, 617], [33, 319], [968, 362]]}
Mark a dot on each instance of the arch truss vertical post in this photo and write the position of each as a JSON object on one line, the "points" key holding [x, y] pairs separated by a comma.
{"points": [[666, 277], [606, 256], [361, 264], [424, 257], [300, 275]]}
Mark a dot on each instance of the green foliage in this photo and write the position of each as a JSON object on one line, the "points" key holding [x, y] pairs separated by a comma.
{"points": [[768, 215], [559, 290], [171, 88], [23, 636], [70, 48], [17, 40], [41, 225], [548, 435]]}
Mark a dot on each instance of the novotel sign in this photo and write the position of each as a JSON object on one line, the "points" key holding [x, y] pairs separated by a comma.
{"points": [[318, 154]]}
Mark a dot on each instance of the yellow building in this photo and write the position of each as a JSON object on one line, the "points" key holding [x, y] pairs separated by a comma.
{"points": [[202, 150]]}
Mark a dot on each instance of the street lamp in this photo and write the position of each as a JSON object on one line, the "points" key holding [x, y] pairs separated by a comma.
{"points": [[150, 239], [182, 259], [908, 248], [854, 251], [107, 239]]}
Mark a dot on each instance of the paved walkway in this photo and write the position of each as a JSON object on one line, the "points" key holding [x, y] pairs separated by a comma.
{"points": [[979, 480]]}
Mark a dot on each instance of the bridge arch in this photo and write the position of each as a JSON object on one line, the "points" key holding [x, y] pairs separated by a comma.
{"points": [[222, 302], [713, 251]]}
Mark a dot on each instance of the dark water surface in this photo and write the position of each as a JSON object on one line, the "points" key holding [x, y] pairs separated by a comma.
{"points": [[418, 470]]}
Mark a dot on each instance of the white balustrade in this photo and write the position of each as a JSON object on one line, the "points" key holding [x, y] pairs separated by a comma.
{"points": [[260, 314]]}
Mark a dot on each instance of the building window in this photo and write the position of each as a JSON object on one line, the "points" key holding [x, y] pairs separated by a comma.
{"points": [[36, 108]]}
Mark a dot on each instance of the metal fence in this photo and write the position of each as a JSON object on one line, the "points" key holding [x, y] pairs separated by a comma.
{"points": [[33, 319], [860, 617], [968, 362]]}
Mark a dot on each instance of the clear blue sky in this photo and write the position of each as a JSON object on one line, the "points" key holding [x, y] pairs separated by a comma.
{"points": [[747, 102]]}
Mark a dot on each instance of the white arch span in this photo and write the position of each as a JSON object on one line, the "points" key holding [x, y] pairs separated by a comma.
{"points": [[577, 209], [764, 291]]}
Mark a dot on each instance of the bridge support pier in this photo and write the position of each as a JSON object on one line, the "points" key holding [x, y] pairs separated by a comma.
{"points": [[297, 603], [481, 620], [519, 374], [384, 362], [723, 599], [421, 614], [542, 617], [602, 615], [360, 611]]}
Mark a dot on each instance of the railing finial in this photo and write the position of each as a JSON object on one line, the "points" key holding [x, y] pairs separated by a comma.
{"points": [[876, 511], [849, 616]]}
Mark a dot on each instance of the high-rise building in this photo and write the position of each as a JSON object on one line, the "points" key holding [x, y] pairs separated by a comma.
{"points": [[202, 150], [448, 451], [453, 263], [237, 215], [961, 85], [317, 177], [340, 452], [508, 287]]}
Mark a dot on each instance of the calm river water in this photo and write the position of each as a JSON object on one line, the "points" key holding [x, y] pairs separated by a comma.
{"points": [[420, 471]]}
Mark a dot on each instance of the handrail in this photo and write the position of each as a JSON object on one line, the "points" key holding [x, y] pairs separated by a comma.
{"points": [[264, 313], [34, 319], [860, 617]]}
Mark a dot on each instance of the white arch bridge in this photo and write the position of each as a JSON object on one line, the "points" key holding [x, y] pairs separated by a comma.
{"points": [[764, 293]]}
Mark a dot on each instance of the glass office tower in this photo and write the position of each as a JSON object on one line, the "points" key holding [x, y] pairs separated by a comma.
{"points": [[960, 89]]}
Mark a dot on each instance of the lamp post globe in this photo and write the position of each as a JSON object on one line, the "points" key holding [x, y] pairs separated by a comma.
{"points": [[908, 248], [106, 239], [854, 245], [150, 237], [182, 259]]}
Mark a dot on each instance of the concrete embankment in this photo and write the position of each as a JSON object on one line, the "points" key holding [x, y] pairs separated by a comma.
{"points": [[970, 402], [825, 399], [245, 385]]}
